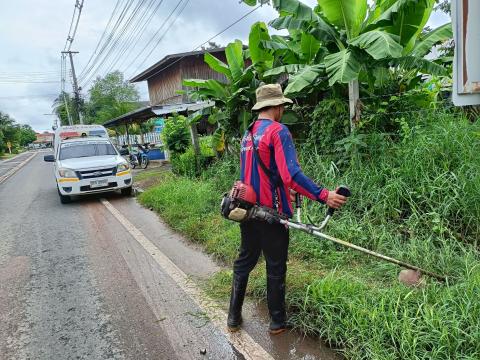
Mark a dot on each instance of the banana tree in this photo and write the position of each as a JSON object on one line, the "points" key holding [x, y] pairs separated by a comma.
{"points": [[356, 40], [234, 98]]}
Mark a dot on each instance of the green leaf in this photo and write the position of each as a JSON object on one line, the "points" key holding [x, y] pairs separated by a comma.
{"points": [[296, 8], [275, 45], [310, 46], [422, 65], [379, 44], [290, 69], [244, 118], [307, 76], [216, 117], [346, 14], [234, 53], [290, 117], [342, 67], [194, 118], [217, 65], [213, 88], [258, 34], [250, 2], [405, 18], [382, 76], [434, 37], [288, 22]]}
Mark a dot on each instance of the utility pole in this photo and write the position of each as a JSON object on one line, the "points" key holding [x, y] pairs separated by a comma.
{"points": [[76, 90]]}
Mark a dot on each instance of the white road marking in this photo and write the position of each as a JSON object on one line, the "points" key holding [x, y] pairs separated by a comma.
{"points": [[3, 178], [241, 340]]}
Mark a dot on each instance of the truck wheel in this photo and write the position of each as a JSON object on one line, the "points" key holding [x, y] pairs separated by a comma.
{"points": [[127, 191], [64, 199]]}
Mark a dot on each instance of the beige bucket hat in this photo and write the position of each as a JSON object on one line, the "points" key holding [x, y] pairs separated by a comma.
{"points": [[270, 95]]}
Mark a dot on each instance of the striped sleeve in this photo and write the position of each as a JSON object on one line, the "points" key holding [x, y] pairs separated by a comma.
{"points": [[289, 168]]}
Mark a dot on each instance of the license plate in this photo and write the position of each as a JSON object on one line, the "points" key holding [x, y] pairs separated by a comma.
{"points": [[98, 183]]}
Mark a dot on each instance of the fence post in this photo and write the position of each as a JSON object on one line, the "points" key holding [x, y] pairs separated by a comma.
{"points": [[196, 144]]}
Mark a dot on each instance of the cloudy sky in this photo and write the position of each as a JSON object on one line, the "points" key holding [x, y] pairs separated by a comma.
{"points": [[34, 32]]}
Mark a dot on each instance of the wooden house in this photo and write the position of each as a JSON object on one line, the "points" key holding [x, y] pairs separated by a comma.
{"points": [[165, 78]]}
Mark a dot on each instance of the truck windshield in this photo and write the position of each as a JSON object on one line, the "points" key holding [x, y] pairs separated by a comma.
{"points": [[79, 150]]}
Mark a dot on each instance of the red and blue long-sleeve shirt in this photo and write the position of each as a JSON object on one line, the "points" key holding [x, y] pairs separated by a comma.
{"points": [[277, 152]]}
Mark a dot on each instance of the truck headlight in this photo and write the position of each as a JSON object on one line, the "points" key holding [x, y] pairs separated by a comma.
{"points": [[122, 167], [66, 173]]}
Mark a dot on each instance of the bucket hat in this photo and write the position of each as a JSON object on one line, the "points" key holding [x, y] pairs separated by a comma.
{"points": [[270, 95]]}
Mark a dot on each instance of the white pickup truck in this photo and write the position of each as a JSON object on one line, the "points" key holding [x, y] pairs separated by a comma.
{"points": [[86, 162]]}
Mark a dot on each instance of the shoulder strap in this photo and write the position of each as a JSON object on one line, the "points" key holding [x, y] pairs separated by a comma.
{"points": [[277, 180]]}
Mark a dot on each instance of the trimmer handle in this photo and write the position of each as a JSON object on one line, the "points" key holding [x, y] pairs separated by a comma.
{"points": [[342, 190], [298, 200]]}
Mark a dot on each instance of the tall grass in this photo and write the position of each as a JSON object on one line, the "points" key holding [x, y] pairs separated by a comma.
{"points": [[416, 198]]}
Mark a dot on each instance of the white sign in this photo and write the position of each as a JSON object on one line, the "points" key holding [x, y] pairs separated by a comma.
{"points": [[466, 65]]}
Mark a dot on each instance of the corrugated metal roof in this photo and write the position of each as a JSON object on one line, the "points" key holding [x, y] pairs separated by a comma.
{"points": [[146, 113], [167, 61]]}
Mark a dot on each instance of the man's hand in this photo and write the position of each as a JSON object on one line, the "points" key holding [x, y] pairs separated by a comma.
{"points": [[335, 200], [292, 195]]}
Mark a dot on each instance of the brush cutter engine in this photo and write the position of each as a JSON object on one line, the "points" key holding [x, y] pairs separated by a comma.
{"points": [[236, 205]]}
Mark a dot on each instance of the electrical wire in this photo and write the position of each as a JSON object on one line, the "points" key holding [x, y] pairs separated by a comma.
{"points": [[134, 40], [206, 42], [107, 40], [156, 33], [100, 59], [103, 35], [77, 12]]}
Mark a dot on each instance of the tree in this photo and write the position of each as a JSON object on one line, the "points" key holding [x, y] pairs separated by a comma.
{"points": [[347, 40], [63, 106], [27, 135], [110, 97], [235, 98]]}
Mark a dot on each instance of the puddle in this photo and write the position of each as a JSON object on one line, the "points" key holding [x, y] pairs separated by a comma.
{"points": [[291, 345]]}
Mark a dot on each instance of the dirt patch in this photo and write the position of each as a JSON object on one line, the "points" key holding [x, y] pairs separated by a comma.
{"points": [[151, 176]]}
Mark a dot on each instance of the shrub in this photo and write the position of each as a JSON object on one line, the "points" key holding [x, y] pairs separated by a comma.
{"points": [[175, 134], [185, 163]]}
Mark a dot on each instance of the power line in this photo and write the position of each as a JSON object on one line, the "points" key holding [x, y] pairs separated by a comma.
{"points": [[103, 35], [206, 42], [156, 33], [125, 30], [105, 46], [106, 40], [134, 39], [77, 12], [28, 96]]}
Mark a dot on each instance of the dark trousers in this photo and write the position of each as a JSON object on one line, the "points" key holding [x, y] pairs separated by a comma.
{"points": [[258, 236]]}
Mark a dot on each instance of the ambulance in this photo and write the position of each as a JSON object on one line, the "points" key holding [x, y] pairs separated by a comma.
{"points": [[85, 162]]}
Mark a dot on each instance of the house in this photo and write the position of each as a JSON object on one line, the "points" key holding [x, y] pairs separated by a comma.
{"points": [[165, 78]]}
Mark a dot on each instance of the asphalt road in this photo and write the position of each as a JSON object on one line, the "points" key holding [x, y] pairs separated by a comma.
{"points": [[106, 279]]}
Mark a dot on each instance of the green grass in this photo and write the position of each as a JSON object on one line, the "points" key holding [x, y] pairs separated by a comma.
{"points": [[147, 174], [6, 156], [417, 199]]}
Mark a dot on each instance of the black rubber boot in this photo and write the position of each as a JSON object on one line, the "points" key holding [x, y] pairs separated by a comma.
{"points": [[239, 287], [276, 304]]}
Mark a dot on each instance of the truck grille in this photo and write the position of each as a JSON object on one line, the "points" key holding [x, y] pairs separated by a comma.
{"points": [[92, 174], [88, 188]]}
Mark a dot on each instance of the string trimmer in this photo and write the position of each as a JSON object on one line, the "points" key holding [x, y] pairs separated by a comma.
{"points": [[240, 206]]}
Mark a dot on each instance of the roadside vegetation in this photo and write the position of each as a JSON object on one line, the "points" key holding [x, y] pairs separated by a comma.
{"points": [[17, 135], [410, 159]]}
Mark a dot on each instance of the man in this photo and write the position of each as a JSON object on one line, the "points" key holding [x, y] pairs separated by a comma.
{"points": [[276, 151]]}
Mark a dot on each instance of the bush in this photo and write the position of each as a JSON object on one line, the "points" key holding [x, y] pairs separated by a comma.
{"points": [[176, 135], [184, 163]]}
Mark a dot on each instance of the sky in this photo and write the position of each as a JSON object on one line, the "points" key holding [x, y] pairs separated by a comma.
{"points": [[34, 32]]}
